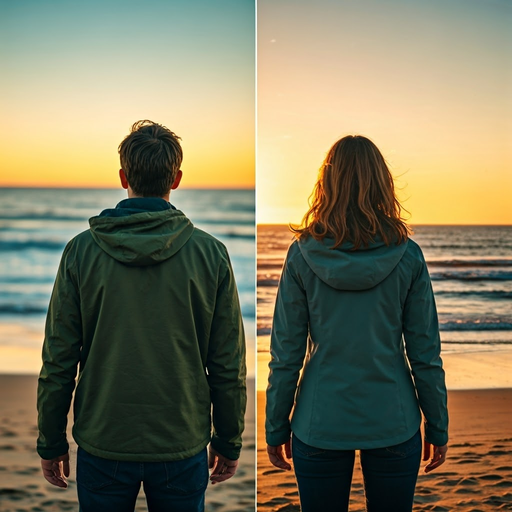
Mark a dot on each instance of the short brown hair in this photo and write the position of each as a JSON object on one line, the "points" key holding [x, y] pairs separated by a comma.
{"points": [[151, 157], [354, 198]]}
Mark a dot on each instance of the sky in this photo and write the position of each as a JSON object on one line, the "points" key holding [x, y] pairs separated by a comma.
{"points": [[429, 82], [76, 75]]}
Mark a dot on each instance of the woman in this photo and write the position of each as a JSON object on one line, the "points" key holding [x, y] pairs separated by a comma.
{"points": [[355, 307]]}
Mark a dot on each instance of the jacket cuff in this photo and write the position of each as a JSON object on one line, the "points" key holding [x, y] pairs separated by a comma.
{"points": [[278, 438], [53, 453], [435, 437], [225, 449]]}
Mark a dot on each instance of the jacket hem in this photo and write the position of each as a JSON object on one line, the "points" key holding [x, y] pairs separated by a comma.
{"points": [[141, 457], [366, 444]]}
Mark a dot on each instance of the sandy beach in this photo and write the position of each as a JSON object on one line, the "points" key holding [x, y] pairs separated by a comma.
{"points": [[23, 488], [476, 477]]}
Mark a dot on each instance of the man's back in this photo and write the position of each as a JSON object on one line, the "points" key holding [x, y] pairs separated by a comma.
{"points": [[148, 286], [146, 306]]}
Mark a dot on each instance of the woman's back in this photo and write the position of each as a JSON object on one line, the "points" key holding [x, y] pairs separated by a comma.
{"points": [[357, 390], [355, 310]]}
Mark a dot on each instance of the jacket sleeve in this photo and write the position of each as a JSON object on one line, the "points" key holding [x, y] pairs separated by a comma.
{"points": [[423, 348], [61, 354], [288, 344], [226, 369]]}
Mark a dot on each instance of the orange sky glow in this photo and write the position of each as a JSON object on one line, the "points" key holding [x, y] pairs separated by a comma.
{"points": [[429, 82], [75, 78]]}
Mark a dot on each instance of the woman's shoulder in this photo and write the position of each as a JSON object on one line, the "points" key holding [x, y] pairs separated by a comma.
{"points": [[414, 250], [294, 254], [413, 257]]}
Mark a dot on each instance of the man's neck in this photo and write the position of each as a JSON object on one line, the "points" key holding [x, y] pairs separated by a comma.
{"points": [[131, 195]]}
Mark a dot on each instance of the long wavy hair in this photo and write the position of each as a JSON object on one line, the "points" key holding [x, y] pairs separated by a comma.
{"points": [[354, 198]]}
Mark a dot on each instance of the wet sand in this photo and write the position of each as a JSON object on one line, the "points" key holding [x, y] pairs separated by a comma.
{"points": [[477, 475], [23, 488]]}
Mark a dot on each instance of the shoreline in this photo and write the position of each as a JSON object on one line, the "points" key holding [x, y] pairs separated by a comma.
{"points": [[22, 344], [478, 370]]}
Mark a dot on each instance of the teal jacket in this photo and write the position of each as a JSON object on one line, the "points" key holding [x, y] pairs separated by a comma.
{"points": [[363, 327], [146, 305]]}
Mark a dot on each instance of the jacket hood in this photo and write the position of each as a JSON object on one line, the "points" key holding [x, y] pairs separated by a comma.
{"points": [[345, 269], [141, 232]]}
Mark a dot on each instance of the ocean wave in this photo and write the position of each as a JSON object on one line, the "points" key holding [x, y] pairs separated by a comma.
{"points": [[475, 325], [466, 245], [22, 309], [471, 263], [19, 245], [472, 276], [486, 294], [223, 222], [476, 342], [31, 280], [43, 216], [232, 234], [268, 282]]}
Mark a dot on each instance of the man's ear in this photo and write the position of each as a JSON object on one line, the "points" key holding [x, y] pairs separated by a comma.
{"points": [[177, 180], [122, 177]]}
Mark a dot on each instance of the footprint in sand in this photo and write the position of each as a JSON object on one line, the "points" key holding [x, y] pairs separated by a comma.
{"points": [[503, 484], [468, 481], [449, 482], [276, 501], [289, 508], [466, 445], [490, 477], [495, 500], [8, 433], [27, 471], [469, 503], [466, 490], [273, 471], [58, 504], [426, 499]]}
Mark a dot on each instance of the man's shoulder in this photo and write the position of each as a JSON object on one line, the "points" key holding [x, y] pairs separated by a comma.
{"points": [[78, 241], [201, 237]]}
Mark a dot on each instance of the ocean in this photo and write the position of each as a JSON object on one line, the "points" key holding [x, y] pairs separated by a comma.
{"points": [[471, 272], [36, 224]]}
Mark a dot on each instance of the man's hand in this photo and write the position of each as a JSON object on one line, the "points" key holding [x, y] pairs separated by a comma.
{"points": [[438, 456], [56, 470], [223, 468], [276, 456]]}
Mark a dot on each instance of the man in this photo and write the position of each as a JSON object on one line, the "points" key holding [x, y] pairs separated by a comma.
{"points": [[146, 305]]}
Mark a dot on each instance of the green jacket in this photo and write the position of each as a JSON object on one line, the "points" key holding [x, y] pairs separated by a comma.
{"points": [[364, 325], [146, 304]]}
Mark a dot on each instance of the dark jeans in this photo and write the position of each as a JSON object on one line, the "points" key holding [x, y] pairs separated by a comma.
{"points": [[324, 476], [112, 486]]}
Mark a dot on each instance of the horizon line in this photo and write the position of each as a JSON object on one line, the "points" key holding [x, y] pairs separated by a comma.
{"points": [[471, 224], [89, 187]]}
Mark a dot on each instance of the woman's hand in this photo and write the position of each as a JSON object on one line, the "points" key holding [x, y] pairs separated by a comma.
{"points": [[277, 457], [438, 455]]}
